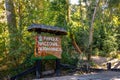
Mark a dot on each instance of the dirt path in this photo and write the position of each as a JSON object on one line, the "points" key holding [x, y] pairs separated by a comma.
{"points": [[102, 61], [106, 75]]}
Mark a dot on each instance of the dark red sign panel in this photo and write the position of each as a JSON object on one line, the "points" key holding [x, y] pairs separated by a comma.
{"points": [[48, 45]]}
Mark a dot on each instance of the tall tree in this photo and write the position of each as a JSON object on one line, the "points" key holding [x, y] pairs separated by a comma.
{"points": [[92, 30], [12, 28]]}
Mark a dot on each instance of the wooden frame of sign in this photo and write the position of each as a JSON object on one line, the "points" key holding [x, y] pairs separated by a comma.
{"points": [[47, 47]]}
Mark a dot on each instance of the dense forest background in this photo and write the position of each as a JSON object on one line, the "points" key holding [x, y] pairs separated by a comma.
{"points": [[93, 28]]}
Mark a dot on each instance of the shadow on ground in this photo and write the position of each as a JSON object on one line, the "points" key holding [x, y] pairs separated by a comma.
{"points": [[106, 75]]}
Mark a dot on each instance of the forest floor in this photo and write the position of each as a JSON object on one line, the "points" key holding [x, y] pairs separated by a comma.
{"points": [[103, 75], [106, 75], [101, 62]]}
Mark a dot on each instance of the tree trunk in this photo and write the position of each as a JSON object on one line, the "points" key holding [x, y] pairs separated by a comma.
{"points": [[92, 31], [75, 44], [10, 12], [68, 11], [12, 28]]}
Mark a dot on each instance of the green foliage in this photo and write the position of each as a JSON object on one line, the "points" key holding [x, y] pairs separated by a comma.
{"points": [[106, 37], [69, 55]]}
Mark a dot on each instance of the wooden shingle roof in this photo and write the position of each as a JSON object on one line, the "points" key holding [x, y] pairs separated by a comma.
{"points": [[47, 29]]}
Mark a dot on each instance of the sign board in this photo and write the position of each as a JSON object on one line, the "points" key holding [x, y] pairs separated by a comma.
{"points": [[48, 45]]}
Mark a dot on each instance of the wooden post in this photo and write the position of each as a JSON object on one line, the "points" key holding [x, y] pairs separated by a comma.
{"points": [[109, 66], [57, 71], [38, 69]]}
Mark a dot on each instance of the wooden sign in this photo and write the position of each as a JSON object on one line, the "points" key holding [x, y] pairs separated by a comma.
{"points": [[48, 45]]}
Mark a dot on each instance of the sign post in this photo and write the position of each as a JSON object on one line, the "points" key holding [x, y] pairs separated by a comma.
{"points": [[47, 47]]}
